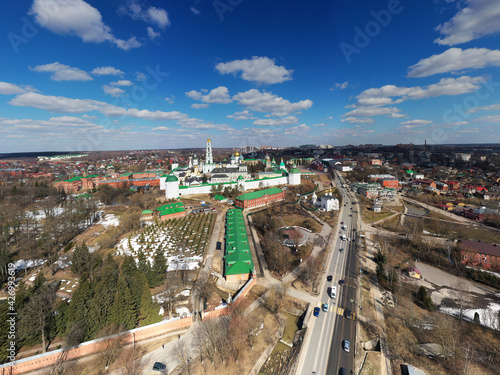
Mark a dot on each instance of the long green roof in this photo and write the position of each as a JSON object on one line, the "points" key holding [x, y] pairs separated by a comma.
{"points": [[238, 258], [259, 194], [169, 206], [170, 211]]}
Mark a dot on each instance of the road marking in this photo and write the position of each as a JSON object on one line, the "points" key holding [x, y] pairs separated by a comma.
{"points": [[353, 316], [340, 311]]}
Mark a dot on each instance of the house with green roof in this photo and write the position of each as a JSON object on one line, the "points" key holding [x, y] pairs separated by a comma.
{"points": [[259, 198], [170, 211], [238, 263]]}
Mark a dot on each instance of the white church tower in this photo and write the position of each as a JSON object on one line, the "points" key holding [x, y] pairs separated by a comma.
{"points": [[208, 158], [208, 165]]}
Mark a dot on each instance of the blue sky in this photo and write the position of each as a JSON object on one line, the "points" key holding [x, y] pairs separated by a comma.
{"points": [[111, 75]]}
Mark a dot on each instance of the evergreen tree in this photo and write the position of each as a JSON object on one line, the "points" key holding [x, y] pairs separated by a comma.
{"points": [[159, 266], [80, 306], [129, 267], [123, 310], [148, 313]]}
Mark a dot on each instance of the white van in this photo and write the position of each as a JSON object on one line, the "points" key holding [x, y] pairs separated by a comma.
{"points": [[333, 292]]}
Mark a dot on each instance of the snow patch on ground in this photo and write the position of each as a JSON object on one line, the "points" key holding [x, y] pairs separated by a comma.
{"points": [[182, 310], [110, 220], [40, 214], [487, 317], [21, 264], [168, 243]]}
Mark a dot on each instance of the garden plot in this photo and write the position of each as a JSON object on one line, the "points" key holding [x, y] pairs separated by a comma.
{"points": [[183, 241]]}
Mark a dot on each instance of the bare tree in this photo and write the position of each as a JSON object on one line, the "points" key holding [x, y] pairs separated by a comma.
{"points": [[182, 353], [111, 346], [134, 363]]}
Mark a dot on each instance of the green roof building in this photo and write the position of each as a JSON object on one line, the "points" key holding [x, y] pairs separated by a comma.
{"points": [[259, 198], [238, 263]]}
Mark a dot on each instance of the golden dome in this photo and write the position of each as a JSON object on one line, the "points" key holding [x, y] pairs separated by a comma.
{"points": [[208, 140], [237, 153]]}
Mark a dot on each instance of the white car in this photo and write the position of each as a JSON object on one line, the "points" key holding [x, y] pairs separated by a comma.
{"points": [[333, 292]]}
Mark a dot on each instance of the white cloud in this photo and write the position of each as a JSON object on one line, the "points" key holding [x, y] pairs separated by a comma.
{"points": [[62, 72], [152, 34], [356, 120], [106, 71], [339, 86], [219, 95], [153, 15], [494, 107], [170, 99], [158, 16], [77, 17], [397, 115], [122, 82], [199, 105], [10, 89], [139, 76], [455, 59], [195, 11], [258, 69], [160, 128], [477, 19], [492, 118], [113, 91], [243, 115], [258, 101], [57, 104], [321, 124], [289, 120], [297, 130], [416, 122], [383, 95], [371, 111]]}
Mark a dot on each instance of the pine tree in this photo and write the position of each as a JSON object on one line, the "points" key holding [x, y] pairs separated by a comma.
{"points": [[123, 310], [159, 266], [148, 313]]}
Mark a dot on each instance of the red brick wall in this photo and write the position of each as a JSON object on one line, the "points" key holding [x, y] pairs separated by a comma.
{"points": [[91, 347]]}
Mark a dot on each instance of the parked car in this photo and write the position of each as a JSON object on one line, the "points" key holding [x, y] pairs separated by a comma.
{"points": [[324, 307], [316, 311], [341, 249], [158, 366], [341, 282], [329, 278]]}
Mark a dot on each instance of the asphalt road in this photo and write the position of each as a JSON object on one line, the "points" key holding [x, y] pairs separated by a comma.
{"points": [[325, 354]]}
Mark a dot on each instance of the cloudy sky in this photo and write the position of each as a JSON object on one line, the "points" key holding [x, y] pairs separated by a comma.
{"points": [[93, 75]]}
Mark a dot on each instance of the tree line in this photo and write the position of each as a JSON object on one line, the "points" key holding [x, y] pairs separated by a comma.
{"points": [[109, 299]]}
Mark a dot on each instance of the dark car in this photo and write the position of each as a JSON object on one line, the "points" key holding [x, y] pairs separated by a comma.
{"points": [[316, 311], [341, 282], [341, 223], [342, 371], [158, 366], [348, 314], [329, 278], [341, 249]]}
